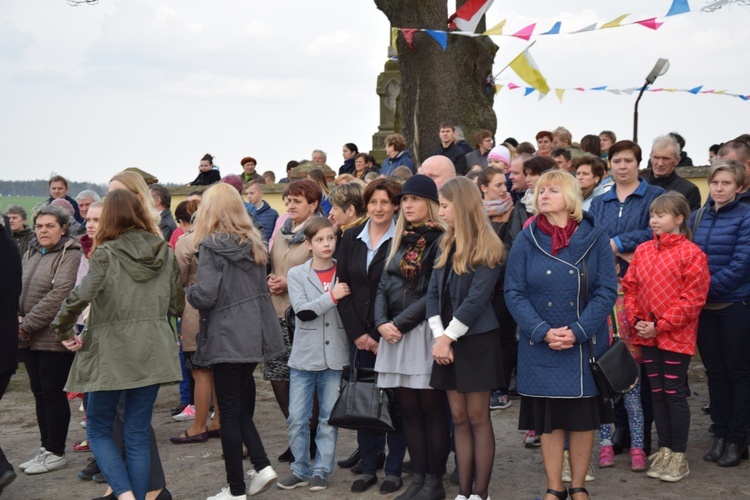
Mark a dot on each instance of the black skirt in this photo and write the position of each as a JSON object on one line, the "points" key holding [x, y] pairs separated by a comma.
{"points": [[544, 415], [476, 367]]}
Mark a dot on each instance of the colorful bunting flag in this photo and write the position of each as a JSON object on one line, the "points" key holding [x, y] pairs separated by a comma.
{"points": [[591, 27], [678, 7], [409, 37], [497, 29], [467, 17], [696, 89], [526, 68], [528, 91], [561, 92], [526, 32], [650, 23], [615, 23], [441, 37], [555, 30]]}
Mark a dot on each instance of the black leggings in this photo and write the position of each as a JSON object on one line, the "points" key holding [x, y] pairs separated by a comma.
{"points": [[425, 428], [667, 373], [235, 392]]}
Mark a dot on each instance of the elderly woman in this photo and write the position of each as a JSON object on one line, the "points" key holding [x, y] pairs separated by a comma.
{"points": [[553, 262], [49, 274], [722, 231], [396, 155], [302, 199]]}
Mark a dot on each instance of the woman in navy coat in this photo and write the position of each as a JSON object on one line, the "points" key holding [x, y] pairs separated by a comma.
{"points": [[544, 291]]}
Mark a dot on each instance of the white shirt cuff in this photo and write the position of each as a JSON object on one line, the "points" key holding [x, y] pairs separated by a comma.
{"points": [[436, 325], [456, 329]]}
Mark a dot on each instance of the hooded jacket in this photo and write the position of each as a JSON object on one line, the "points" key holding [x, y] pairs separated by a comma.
{"points": [[667, 278], [401, 159], [48, 278], [132, 285], [22, 239], [238, 321]]}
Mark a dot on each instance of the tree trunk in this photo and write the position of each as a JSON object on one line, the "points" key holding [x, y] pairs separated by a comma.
{"points": [[439, 85]]}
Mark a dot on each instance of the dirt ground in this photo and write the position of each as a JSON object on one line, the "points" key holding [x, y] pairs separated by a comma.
{"points": [[196, 471]]}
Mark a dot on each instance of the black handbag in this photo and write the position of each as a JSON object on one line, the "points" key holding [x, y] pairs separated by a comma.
{"points": [[615, 372], [362, 405]]}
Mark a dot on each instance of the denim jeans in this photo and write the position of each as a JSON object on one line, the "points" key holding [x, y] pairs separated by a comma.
{"points": [[302, 387], [139, 406]]}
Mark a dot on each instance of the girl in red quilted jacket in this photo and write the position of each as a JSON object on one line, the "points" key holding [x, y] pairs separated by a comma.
{"points": [[665, 289]]}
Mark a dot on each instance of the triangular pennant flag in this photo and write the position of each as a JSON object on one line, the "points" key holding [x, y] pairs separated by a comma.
{"points": [[670, 90], [678, 7], [526, 32], [695, 90], [559, 93], [409, 37], [655, 90], [525, 67], [629, 91], [394, 36], [720, 92], [591, 27], [715, 5], [650, 23], [528, 91], [744, 97], [555, 30], [603, 87], [541, 96], [512, 86], [441, 37], [498, 88], [467, 17], [615, 23], [497, 29], [614, 91], [580, 89], [706, 91]]}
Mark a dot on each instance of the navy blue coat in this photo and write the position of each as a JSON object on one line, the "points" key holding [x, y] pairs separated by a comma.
{"points": [[391, 164], [626, 223], [267, 217], [724, 235], [543, 291]]}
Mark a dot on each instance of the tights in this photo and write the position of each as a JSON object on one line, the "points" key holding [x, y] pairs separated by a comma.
{"points": [[632, 400], [425, 428], [475, 440]]}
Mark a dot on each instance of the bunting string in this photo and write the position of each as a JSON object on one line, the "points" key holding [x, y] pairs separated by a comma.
{"points": [[560, 92]]}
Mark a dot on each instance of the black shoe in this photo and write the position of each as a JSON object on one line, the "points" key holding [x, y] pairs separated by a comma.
{"points": [[733, 454], [88, 472], [357, 468], [432, 488], [111, 496], [6, 478], [380, 461], [716, 451], [561, 495], [707, 408], [574, 491], [407, 468], [350, 462], [287, 456], [164, 494], [177, 409], [363, 484], [391, 484], [417, 481]]}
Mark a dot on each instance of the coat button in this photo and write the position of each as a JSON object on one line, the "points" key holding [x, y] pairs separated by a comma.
{"points": [[328, 342], [549, 304], [571, 304], [570, 271], [549, 271], [326, 324]]}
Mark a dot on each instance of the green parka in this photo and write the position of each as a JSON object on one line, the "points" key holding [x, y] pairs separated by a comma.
{"points": [[133, 283]]}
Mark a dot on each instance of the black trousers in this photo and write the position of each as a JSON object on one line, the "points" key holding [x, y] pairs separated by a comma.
{"points": [[48, 372], [724, 344], [235, 392], [4, 381]]}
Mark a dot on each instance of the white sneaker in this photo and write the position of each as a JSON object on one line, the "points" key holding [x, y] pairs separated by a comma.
{"points": [[39, 455], [47, 463], [477, 497], [187, 414], [261, 481], [227, 495], [461, 497]]}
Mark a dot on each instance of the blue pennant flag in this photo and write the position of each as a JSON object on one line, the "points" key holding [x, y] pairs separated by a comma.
{"points": [[441, 37], [555, 29], [528, 91], [678, 7], [696, 90], [603, 87]]}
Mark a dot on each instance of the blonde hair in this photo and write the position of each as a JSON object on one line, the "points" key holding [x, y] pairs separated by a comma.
{"points": [[222, 211], [137, 185], [433, 215], [570, 188], [477, 244]]}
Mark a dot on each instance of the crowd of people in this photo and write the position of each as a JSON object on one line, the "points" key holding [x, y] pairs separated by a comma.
{"points": [[482, 275]]}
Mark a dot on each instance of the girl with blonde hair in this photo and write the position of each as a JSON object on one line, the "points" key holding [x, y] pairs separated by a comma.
{"points": [[459, 306], [238, 328]]}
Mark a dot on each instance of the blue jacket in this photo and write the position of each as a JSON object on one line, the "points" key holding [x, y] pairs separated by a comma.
{"points": [[267, 217], [543, 291], [626, 223], [724, 235], [391, 164]]}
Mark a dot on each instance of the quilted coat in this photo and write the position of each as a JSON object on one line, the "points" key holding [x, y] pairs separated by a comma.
{"points": [[48, 278], [187, 260], [545, 291], [667, 278], [724, 235]]}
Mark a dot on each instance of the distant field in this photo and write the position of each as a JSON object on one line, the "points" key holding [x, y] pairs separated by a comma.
{"points": [[27, 202]]}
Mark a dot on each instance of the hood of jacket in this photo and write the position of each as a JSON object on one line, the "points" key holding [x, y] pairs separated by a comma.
{"points": [[230, 247], [143, 255]]}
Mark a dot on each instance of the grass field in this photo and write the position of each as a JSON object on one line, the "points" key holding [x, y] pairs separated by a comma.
{"points": [[27, 202]]}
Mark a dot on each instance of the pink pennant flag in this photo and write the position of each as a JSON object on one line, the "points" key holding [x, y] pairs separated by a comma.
{"points": [[512, 86], [409, 37], [525, 33], [707, 91], [655, 90], [651, 23], [580, 89]]}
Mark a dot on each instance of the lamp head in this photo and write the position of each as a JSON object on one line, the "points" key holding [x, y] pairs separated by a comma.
{"points": [[660, 68]]}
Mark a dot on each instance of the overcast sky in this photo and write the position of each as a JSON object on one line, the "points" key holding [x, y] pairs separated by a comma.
{"points": [[90, 90]]}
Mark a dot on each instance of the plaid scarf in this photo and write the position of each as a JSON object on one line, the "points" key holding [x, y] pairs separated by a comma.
{"points": [[417, 237]]}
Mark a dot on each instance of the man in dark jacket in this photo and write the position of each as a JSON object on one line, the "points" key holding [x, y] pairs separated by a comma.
{"points": [[10, 277], [665, 155], [163, 201], [17, 224], [58, 188], [449, 149]]}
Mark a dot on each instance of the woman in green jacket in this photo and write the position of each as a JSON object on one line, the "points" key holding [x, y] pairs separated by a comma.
{"points": [[127, 345]]}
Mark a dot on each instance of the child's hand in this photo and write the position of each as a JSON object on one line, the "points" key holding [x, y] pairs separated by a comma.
{"points": [[340, 290], [645, 329]]}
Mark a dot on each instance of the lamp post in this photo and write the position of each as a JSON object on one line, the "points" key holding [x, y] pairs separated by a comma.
{"points": [[661, 67]]}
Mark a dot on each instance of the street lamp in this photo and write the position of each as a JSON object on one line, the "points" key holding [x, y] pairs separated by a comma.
{"points": [[661, 67]]}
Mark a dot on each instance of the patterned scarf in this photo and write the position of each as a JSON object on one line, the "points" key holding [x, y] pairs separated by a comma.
{"points": [[560, 235], [294, 236], [417, 237]]}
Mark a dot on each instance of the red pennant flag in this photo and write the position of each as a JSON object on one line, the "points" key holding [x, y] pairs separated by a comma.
{"points": [[526, 32], [581, 89], [651, 23], [409, 37]]}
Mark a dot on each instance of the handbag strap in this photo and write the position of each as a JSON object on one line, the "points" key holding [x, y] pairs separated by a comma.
{"points": [[615, 324]]}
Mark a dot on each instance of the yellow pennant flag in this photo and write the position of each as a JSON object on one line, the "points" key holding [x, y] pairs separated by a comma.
{"points": [[560, 93], [394, 36], [498, 88], [497, 30], [529, 72], [615, 23]]}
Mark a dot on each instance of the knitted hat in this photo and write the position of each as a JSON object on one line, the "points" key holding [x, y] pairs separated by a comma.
{"points": [[247, 159], [500, 153], [420, 185]]}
